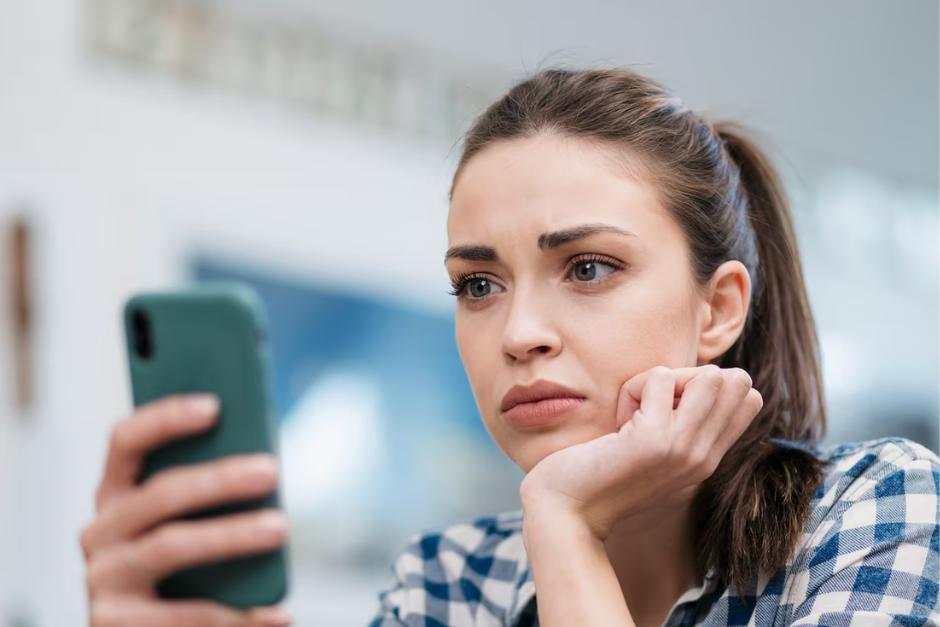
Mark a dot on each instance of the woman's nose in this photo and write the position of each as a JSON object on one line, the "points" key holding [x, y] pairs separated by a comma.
{"points": [[529, 330]]}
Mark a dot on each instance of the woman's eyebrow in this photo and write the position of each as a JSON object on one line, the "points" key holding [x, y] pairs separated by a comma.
{"points": [[557, 238], [546, 241], [471, 253]]}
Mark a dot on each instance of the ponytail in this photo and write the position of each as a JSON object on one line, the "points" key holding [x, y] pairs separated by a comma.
{"points": [[753, 508]]}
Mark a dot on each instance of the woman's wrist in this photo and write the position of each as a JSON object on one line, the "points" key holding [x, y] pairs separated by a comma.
{"points": [[548, 507], [545, 518], [575, 580]]}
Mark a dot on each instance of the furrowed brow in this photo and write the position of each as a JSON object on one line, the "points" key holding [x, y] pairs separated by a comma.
{"points": [[548, 241]]}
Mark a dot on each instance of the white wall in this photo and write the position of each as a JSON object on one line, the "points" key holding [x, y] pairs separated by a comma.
{"points": [[122, 176]]}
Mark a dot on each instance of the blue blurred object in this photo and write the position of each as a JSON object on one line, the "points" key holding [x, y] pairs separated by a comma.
{"points": [[380, 434]]}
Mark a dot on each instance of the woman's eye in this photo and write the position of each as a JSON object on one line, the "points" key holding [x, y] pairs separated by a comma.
{"points": [[472, 287], [478, 288], [586, 270]]}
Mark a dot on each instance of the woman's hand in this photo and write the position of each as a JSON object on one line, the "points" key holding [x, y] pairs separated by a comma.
{"points": [[674, 427], [133, 541]]}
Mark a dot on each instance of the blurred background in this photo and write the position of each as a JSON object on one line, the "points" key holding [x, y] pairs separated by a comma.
{"points": [[306, 148]]}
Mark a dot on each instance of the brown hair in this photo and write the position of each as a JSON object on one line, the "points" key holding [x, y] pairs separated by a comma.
{"points": [[729, 201]]}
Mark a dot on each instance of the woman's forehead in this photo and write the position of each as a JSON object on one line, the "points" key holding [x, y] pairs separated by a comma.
{"points": [[545, 183]]}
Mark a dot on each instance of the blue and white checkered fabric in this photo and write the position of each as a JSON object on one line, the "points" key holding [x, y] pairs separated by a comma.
{"points": [[868, 556]]}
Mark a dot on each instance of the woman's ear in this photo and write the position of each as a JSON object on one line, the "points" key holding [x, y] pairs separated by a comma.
{"points": [[726, 303]]}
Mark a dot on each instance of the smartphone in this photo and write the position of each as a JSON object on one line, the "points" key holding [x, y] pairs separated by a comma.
{"points": [[210, 338]]}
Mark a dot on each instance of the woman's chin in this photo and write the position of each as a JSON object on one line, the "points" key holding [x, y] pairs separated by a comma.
{"points": [[532, 448]]}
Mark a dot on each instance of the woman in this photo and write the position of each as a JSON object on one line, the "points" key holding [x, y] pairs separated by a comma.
{"points": [[633, 322]]}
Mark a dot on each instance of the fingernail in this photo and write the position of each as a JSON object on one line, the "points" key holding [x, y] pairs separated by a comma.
{"points": [[275, 617], [262, 471], [203, 404], [272, 523], [263, 464]]}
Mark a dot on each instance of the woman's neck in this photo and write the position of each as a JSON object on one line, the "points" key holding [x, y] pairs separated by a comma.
{"points": [[653, 555]]}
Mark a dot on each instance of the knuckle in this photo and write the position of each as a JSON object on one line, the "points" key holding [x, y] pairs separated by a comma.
{"points": [[661, 371], [121, 436], [100, 613], [235, 534], [696, 458], [206, 484], [231, 471], [166, 541], [165, 413], [169, 414], [168, 487], [95, 573], [756, 398], [86, 539], [739, 377], [713, 377], [709, 466], [238, 473], [211, 480], [173, 406], [698, 463]]}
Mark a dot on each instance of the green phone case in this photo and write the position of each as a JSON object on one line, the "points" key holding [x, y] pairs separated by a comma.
{"points": [[211, 338]]}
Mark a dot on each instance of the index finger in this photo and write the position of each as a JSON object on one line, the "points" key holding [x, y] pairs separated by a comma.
{"points": [[151, 425], [631, 392], [683, 376]]}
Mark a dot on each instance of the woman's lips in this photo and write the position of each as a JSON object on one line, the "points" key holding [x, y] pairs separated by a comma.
{"points": [[539, 413]]}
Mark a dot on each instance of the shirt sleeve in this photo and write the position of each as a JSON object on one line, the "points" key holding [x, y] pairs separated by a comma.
{"points": [[878, 564], [389, 613]]}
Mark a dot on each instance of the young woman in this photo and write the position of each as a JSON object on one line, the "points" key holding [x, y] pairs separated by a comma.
{"points": [[633, 322]]}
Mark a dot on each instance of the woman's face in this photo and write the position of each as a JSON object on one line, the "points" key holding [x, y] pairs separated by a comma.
{"points": [[587, 312]]}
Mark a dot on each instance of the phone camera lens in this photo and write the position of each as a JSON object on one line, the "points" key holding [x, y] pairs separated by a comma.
{"points": [[142, 333]]}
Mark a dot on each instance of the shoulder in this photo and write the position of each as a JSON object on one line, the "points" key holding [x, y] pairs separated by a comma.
{"points": [[853, 458], [876, 469], [871, 542], [455, 573]]}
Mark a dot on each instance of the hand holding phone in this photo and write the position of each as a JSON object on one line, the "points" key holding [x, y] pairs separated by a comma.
{"points": [[188, 527], [133, 541]]}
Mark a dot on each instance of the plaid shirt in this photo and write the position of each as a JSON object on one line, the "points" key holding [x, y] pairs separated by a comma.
{"points": [[868, 556]]}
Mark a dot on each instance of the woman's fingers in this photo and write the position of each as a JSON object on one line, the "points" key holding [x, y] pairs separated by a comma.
{"points": [[729, 417], [737, 383], [740, 420], [699, 398], [151, 425], [128, 550], [177, 545], [180, 490], [114, 612], [631, 391], [713, 407], [656, 397], [651, 390]]}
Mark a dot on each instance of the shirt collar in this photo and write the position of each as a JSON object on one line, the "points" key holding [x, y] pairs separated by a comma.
{"points": [[525, 589]]}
